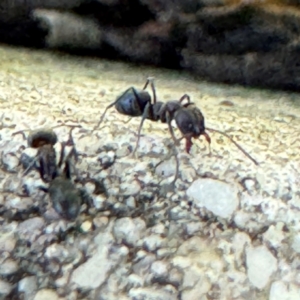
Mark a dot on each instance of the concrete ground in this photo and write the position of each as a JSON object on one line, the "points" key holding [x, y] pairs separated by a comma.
{"points": [[252, 233]]}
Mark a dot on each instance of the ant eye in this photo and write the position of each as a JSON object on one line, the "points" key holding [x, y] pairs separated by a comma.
{"points": [[190, 125]]}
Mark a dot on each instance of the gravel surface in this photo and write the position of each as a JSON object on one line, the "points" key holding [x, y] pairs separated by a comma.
{"points": [[228, 230]]}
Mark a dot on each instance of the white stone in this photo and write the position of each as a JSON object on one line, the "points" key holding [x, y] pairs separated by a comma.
{"points": [[46, 294], [241, 218], [153, 242], [274, 235], [199, 289], [130, 189], [239, 241], [129, 230], [10, 162], [216, 196], [8, 267], [99, 201], [95, 270], [166, 168], [19, 203], [86, 226], [5, 288], [135, 281], [280, 291], [56, 251], [28, 286], [150, 294], [159, 268], [7, 242], [296, 243], [31, 228], [261, 264]]}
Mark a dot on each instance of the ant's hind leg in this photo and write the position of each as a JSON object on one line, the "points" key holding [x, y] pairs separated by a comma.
{"points": [[185, 96], [151, 81], [104, 113]]}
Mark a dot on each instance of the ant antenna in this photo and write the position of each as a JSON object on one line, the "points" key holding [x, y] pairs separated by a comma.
{"points": [[235, 143]]}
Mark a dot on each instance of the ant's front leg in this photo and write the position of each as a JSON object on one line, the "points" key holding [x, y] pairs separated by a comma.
{"points": [[168, 119]]}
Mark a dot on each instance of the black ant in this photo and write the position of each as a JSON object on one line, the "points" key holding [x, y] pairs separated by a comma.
{"points": [[189, 120], [44, 140]]}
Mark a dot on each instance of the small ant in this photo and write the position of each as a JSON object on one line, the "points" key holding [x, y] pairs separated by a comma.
{"points": [[189, 120], [44, 140], [188, 117]]}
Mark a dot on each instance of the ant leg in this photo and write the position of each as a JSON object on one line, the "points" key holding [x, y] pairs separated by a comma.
{"points": [[67, 169], [153, 91], [21, 132], [62, 154], [28, 169], [44, 189], [185, 96], [106, 109], [151, 81], [70, 142], [125, 122], [235, 143], [168, 118], [172, 152], [140, 127]]}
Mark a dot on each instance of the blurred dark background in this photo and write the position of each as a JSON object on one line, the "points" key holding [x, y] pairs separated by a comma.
{"points": [[252, 43]]}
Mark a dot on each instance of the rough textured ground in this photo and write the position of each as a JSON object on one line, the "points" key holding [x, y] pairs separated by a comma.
{"points": [[229, 229]]}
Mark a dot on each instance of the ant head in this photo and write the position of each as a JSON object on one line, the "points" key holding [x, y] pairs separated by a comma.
{"points": [[190, 121], [40, 137]]}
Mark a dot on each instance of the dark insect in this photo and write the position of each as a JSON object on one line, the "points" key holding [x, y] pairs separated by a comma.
{"points": [[132, 102], [66, 198], [188, 117], [44, 140]]}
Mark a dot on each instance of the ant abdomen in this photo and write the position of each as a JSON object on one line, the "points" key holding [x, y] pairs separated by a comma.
{"points": [[132, 102], [65, 198], [40, 137]]}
